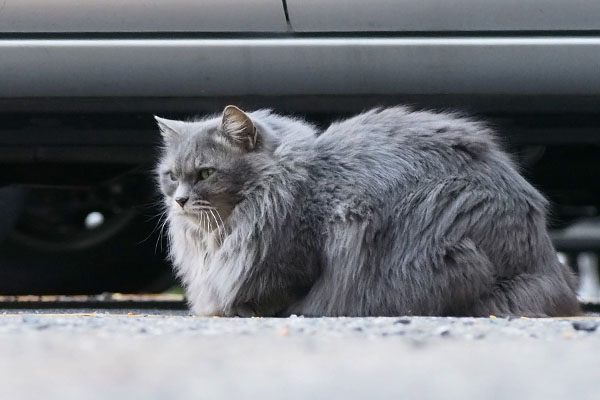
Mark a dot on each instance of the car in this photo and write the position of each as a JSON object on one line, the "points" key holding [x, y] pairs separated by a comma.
{"points": [[80, 82]]}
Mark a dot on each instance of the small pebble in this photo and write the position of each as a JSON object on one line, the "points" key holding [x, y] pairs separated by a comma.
{"points": [[28, 319], [568, 335], [284, 332], [402, 321], [443, 331], [587, 326], [42, 327]]}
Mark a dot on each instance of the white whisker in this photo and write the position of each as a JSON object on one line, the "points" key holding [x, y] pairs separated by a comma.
{"points": [[217, 224], [161, 231], [201, 221], [160, 227], [222, 223]]}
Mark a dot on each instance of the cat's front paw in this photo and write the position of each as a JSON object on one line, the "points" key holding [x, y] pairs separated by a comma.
{"points": [[207, 309], [204, 310]]}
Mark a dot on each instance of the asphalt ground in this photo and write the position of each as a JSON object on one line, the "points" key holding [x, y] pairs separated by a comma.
{"points": [[156, 351]]}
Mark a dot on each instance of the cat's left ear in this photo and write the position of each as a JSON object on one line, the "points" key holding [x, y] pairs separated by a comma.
{"points": [[169, 129], [238, 128]]}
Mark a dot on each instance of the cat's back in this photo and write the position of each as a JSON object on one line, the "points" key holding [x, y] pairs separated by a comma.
{"points": [[398, 128], [391, 144]]}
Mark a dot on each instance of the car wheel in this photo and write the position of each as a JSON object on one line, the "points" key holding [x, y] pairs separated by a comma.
{"points": [[82, 242]]}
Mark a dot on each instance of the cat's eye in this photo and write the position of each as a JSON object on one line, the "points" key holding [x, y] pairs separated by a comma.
{"points": [[205, 173], [172, 176]]}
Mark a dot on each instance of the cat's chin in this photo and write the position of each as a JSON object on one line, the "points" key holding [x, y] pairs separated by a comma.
{"points": [[196, 221]]}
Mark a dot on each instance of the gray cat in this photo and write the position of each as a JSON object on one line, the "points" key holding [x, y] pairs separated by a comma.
{"points": [[391, 212]]}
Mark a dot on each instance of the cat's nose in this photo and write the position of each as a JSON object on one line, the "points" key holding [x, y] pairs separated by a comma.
{"points": [[181, 201]]}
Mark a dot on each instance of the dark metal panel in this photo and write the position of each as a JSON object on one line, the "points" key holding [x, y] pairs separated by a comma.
{"points": [[443, 15], [141, 16], [233, 67]]}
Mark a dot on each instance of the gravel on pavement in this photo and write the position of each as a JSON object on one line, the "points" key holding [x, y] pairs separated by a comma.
{"points": [[139, 354]]}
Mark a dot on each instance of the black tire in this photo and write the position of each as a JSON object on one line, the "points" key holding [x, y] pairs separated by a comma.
{"points": [[125, 257]]}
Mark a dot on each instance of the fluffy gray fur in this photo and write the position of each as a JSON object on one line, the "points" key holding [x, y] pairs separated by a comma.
{"points": [[391, 212]]}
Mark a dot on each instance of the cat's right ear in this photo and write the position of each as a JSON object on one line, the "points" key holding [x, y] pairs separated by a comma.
{"points": [[169, 129], [238, 128]]}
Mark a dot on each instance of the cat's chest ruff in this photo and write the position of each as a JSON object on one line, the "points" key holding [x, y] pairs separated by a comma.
{"points": [[194, 250]]}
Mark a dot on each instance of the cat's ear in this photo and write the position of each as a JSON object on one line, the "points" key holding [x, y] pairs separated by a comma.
{"points": [[169, 129], [238, 128]]}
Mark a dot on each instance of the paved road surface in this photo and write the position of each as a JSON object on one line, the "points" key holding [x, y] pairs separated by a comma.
{"points": [[173, 356]]}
